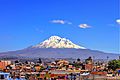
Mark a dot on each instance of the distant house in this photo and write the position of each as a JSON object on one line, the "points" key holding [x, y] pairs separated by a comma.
{"points": [[3, 64], [4, 75]]}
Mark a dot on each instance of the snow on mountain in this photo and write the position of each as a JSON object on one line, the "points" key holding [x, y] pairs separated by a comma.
{"points": [[57, 42]]}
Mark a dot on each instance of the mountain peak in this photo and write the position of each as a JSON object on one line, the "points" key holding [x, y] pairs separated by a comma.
{"points": [[57, 42], [54, 37]]}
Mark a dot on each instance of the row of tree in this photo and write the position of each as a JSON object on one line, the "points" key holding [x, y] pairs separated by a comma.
{"points": [[114, 64]]}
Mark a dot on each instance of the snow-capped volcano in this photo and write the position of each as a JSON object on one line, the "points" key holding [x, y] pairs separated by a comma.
{"points": [[57, 42], [56, 47]]}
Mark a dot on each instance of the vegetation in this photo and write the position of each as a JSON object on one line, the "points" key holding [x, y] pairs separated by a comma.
{"points": [[114, 64], [88, 60], [40, 61]]}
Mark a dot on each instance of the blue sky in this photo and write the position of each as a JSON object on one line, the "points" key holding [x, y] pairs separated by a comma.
{"points": [[93, 24]]}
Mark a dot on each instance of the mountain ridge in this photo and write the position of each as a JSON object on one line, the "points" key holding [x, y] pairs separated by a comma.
{"points": [[59, 53], [64, 49]]}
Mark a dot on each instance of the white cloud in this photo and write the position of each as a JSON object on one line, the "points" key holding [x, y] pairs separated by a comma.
{"points": [[69, 22], [118, 21], [84, 26], [60, 22]]}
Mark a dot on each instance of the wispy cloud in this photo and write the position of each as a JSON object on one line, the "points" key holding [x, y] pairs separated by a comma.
{"points": [[68, 22], [60, 22], [118, 21], [84, 26]]}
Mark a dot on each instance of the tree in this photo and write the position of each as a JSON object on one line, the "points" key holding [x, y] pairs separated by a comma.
{"points": [[114, 64], [26, 62], [88, 60], [78, 59], [16, 61], [40, 61]]}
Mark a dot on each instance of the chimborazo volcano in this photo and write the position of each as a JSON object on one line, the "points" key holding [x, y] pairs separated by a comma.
{"points": [[57, 47]]}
